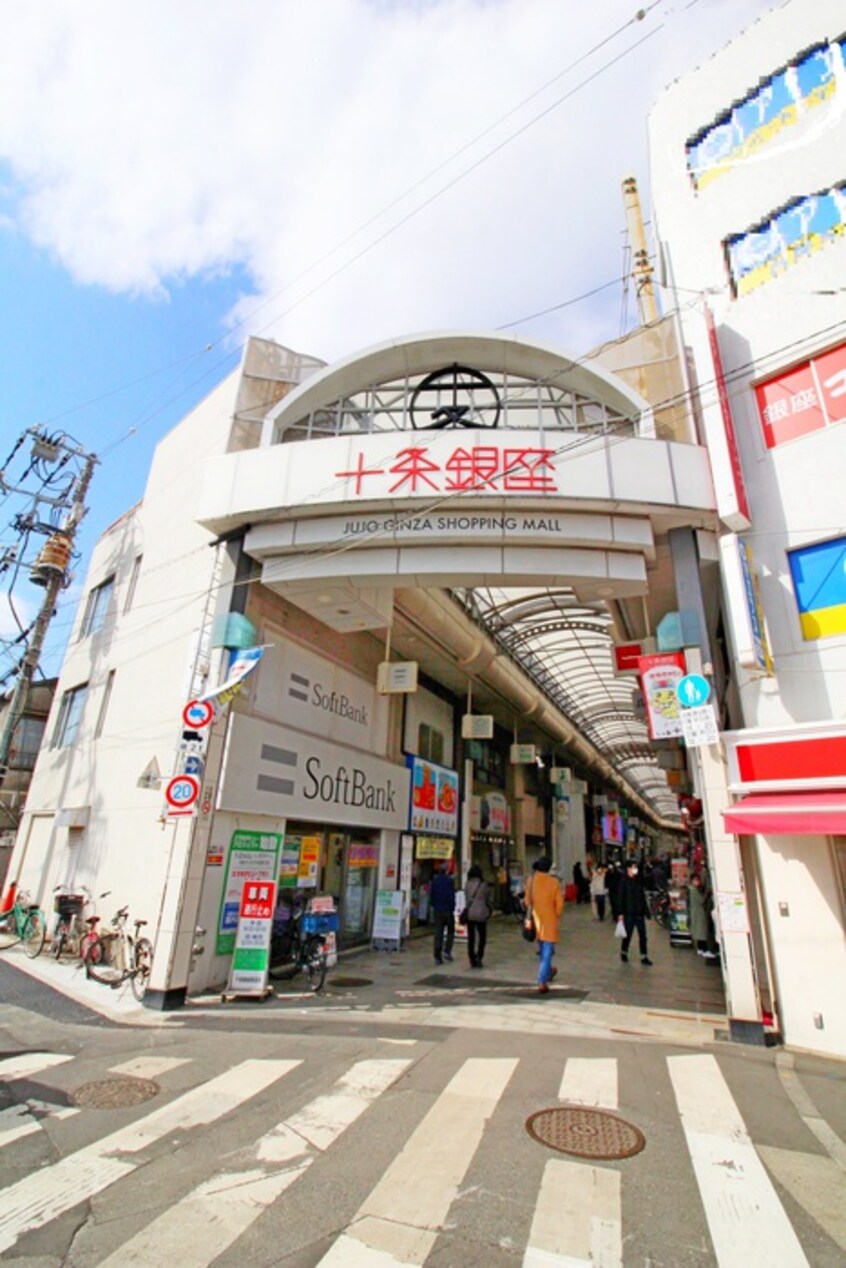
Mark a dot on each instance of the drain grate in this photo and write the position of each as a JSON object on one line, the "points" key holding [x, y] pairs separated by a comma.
{"points": [[115, 1093], [349, 981], [587, 1133]]}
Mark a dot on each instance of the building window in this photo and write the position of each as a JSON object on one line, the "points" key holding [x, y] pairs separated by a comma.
{"points": [[430, 744], [97, 607], [104, 705], [133, 582], [488, 762], [70, 715], [25, 743]]}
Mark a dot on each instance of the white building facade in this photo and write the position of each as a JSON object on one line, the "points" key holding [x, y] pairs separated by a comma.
{"points": [[324, 515], [749, 193]]}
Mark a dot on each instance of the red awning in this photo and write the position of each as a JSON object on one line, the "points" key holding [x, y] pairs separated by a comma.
{"points": [[789, 814]]}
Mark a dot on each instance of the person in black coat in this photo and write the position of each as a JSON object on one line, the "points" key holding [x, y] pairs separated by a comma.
{"points": [[631, 900], [613, 880]]}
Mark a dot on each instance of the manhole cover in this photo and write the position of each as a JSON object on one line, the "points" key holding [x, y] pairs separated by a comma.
{"points": [[115, 1093], [350, 981], [587, 1133]]}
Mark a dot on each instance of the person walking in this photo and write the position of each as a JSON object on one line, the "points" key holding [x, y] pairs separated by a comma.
{"points": [[633, 911], [442, 899], [478, 908], [598, 891], [544, 896]]}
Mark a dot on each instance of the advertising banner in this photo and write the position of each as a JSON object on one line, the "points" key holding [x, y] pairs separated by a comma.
{"points": [[490, 813], [659, 676], [434, 798], [253, 856]]}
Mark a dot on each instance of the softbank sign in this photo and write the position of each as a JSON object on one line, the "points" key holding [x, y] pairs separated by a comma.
{"points": [[275, 771], [317, 696]]}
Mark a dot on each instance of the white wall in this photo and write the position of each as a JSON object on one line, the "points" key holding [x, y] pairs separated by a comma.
{"points": [[795, 490], [808, 949]]}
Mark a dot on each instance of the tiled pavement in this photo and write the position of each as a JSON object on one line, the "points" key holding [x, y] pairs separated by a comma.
{"points": [[679, 999]]}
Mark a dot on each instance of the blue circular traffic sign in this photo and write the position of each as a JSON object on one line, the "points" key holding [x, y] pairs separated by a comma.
{"points": [[693, 690]]}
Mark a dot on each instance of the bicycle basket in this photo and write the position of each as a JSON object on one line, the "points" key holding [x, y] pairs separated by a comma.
{"points": [[68, 905], [320, 922]]}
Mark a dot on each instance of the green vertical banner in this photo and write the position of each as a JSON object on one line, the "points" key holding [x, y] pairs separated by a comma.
{"points": [[253, 856]]}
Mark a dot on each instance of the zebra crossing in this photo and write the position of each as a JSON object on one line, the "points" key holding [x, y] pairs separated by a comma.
{"points": [[574, 1208]]}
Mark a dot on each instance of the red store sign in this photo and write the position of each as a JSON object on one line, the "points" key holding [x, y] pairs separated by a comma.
{"points": [[482, 467], [805, 399]]}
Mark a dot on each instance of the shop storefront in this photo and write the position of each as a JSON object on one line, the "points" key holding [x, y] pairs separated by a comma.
{"points": [[434, 826], [494, 849], [336, 813], [341, 863]]}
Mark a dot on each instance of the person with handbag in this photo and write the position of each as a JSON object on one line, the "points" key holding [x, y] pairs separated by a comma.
{"points": [[476, 913], [546, 902]]}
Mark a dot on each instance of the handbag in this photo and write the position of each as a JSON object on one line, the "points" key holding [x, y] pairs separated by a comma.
{"points": [[462, 916], [529, 930], [620, 928]]}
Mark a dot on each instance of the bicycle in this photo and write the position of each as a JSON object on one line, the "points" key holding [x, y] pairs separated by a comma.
{"points": [[301, 947], [23, 922], [69, 937], [659, 906], [116, 955]]}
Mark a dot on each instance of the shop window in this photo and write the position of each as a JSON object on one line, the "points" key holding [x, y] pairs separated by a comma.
{"points": [[430, 744], [97, 607], [70, 716]]}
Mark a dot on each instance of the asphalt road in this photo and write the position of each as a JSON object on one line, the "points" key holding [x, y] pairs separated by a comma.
{"points": [[336, 1134]]}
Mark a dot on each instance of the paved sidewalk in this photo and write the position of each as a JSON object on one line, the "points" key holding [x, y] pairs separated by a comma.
{"points": [[680, 999]]}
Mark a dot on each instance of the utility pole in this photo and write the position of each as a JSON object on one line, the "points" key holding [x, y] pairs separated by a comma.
{"points": [[50, 569], [641, 268]]}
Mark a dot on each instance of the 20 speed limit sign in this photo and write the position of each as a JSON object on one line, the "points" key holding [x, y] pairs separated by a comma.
{"points": [[181, 793]]}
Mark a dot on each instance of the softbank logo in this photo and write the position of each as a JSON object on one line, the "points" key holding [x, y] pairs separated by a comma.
{"points": [[337, 785], [313, 693]]}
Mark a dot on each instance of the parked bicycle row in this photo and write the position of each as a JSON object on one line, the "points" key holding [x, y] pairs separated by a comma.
{"points": [[111, 955]]}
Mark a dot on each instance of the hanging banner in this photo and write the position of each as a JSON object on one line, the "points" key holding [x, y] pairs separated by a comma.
{"points": [[659, 676], [239, 670]]}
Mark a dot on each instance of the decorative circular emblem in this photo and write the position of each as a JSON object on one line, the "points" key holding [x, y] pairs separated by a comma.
{"points": [[454, 397]]}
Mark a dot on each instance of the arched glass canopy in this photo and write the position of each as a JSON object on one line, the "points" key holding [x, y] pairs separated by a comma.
{"points": [[565, 647]]}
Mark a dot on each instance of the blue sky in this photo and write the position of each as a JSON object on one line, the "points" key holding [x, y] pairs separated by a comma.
{"points": [[331, 175]]}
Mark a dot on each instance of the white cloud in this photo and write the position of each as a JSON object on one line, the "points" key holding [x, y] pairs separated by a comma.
{"points": [[152, 142]]}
